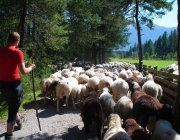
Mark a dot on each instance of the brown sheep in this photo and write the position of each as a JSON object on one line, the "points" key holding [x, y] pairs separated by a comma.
{"points": [[130, 80], [92, 112], [147, 109], [136, 92], [135, 131]]}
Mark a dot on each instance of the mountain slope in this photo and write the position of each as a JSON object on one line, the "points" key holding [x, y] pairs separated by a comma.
{"points": [[146, 34]]}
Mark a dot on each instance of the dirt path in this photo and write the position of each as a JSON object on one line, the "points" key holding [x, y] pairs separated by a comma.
{"points": [[67, 125]]}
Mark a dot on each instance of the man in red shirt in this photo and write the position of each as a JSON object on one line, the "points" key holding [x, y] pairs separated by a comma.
{"points": [[11, 62]]}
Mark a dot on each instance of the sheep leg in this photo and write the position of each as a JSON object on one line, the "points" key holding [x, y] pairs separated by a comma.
{"points": [[78, 100], [82, 97], [54, 96], [57, 105], [99, 126], [67, 97], [86, 126], [48, 92], [79, 103], [44, 99], [73, 102], [142, 121], [45, 96], [151, 123]]}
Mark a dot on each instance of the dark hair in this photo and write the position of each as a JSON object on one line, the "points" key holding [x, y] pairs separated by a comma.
{"points": [[13, 36]]}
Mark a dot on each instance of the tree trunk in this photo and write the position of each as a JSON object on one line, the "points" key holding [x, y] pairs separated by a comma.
{"points": [[177, 104], [94, 54], [139, 36], [99, 51], [22, 23], [103, 52]]}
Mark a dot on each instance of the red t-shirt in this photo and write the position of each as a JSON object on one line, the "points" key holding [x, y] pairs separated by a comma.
{"points": [[10, 57]]}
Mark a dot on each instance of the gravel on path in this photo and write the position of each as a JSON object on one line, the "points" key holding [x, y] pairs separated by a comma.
{"points": [[67, 125]]}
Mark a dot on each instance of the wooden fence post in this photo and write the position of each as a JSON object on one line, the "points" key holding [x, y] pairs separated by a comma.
{"points": [[170, 71], [144, 70], [155, 68]]}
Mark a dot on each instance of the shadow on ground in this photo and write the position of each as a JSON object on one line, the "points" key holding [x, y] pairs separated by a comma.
{"points": [[49, 109]]}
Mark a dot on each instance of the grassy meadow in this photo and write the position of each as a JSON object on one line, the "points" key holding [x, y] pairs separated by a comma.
{"points": [[159, 63]]}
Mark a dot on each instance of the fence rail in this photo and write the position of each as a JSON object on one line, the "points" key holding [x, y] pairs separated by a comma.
{"points": [[167, 80]]}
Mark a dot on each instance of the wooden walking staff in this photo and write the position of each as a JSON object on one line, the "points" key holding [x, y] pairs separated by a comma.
{"points": [[32, 54]]}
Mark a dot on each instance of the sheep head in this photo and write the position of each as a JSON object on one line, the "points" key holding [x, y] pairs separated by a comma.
{"points": [[165, 113], [131, 125], [114, 120], [92, 94]]}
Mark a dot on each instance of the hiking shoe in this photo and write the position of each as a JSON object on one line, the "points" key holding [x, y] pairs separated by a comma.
{"points": [[19, 122], [8, 137]]}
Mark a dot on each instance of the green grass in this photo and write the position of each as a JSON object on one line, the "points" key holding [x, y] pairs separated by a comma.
{"points": [[29, 98], [26, 100], [159, 63]]}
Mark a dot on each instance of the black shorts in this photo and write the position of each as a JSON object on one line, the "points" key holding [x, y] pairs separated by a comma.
{"points": [[12, 93]]}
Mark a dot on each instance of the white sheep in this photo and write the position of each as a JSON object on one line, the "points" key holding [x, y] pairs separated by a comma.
{"points": [[64, 88], [44, 83], [107, 102], [71, 73], [152, 88], [105, 82], [119, 87], [93, 83], [76, 94], [124, 107], [99, 74], [56, 75], [149, 77], [163, 131], [160, 92], [115, 70], [78, 69], [84, 91], [99, 70], [113, 76], [115, 130], [137, 73], [90, 72], [129, 72], [83, 78], [76, 75], [66, 73], [45, 86], [123, 74]]}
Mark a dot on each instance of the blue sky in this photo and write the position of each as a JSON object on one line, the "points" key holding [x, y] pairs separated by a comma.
{"points": [[168, 20]]}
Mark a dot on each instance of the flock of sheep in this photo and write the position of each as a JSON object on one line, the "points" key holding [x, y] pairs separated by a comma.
{"points": [[117, 96]]}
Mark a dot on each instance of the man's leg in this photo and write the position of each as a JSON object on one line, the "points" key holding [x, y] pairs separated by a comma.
{"points": [[10, 128], [9, 131], [17, 117], [19, 121]]}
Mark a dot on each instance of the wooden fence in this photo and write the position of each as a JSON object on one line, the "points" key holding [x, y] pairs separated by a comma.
{"points": [[167, 80]]}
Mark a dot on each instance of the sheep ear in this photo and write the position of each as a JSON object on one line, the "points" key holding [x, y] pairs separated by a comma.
{"points": [[99, 90], [122, 122], [141, 127]]}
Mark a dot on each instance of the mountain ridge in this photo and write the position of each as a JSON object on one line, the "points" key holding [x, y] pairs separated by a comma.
{"points": [[146, 34]]}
